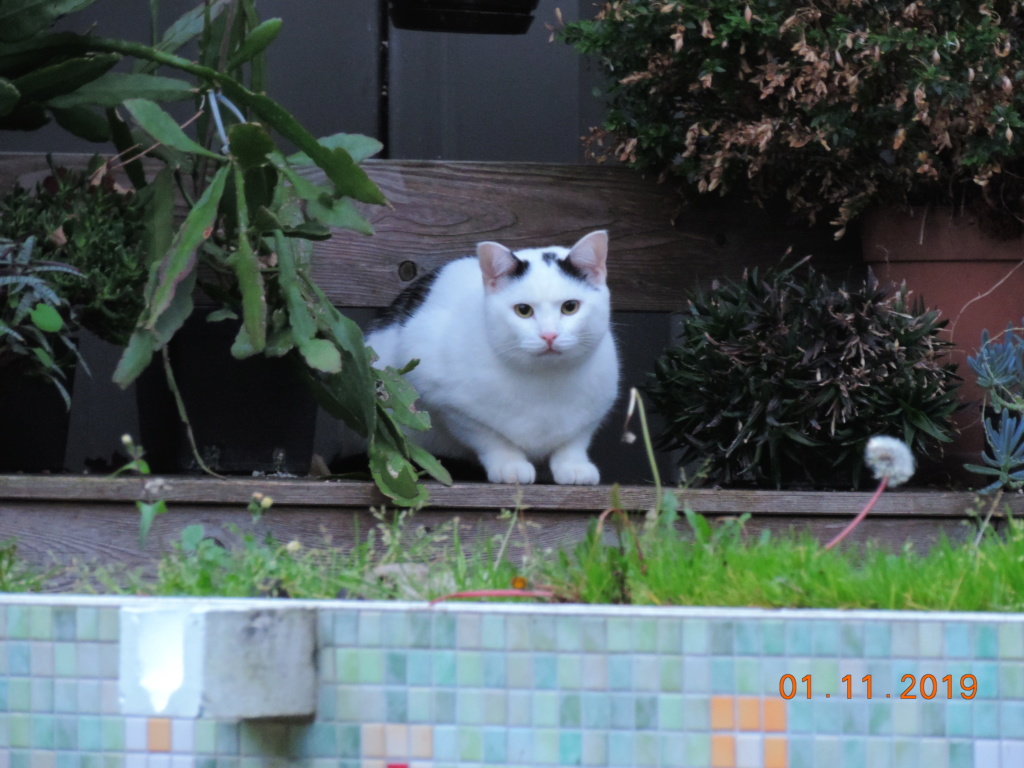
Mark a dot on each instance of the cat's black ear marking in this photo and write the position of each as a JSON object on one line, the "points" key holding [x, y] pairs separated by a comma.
{"points": [[571, 270], [549, 257], [498, 263], [589, 257]]}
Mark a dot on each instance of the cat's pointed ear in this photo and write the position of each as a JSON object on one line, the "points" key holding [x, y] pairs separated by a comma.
{"points": [[496, 262], [590, 256]]}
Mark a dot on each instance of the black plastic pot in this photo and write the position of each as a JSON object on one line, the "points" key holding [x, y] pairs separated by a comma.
{"points": [[253, 415], [488, 17], [33, 423]]}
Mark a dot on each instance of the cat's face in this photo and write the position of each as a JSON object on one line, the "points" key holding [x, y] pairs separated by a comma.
{"points": [[546, 306]]}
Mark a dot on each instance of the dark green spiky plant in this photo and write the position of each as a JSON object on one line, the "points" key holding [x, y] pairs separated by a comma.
{"points": [[86, 221], [782, 378]]}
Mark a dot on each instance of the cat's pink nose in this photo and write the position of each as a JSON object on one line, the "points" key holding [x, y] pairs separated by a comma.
{"points": [[549, 338]]}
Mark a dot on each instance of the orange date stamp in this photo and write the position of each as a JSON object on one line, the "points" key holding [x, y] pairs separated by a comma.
{"points": [[925, 687]]}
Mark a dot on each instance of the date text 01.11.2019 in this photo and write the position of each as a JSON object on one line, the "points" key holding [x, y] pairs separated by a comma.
{"points": [[927, 687]]}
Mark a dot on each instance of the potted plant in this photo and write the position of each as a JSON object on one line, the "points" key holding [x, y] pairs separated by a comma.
{"points": [[833, 111], [250, 211], [780, 379], [36, 345]]}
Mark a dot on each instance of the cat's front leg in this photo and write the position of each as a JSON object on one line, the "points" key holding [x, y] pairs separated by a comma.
{"points": [[508, 465], [570, 464]]}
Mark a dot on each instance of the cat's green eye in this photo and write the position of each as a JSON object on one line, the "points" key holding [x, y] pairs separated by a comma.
{"points": [[523, 310], [570, 307]]}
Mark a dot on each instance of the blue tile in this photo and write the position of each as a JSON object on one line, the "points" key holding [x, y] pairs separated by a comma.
{"points": [[593, 634], [851, 639], [826, 638], [747, 638], [19, 659], [346, 628], [620, 672], [773, 638], [595, 710], [492, 631], [543, 631], [495, 745], [494, 670], [1012, 714], [877, 639], [419, 668], [65, 623], [960, 718], [520, 746], [446, 743], [722, 638], [798, 638], [800, 715], [986, 641], [545, 671], [622, 713], [986, 719], [395, 664], [444, 668], [444, 706], [958, 640], [723, 675], [620, 748], [443, 631], [570, 748]]}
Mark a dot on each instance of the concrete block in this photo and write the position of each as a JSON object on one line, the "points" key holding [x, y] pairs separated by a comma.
{"points": [[187, 659]]}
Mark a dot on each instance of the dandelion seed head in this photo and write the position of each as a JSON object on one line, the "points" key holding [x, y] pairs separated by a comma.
{"points": [[889, 457]]}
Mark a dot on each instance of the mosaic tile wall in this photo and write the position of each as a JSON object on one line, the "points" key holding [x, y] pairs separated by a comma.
{"points": [[517, 686]]}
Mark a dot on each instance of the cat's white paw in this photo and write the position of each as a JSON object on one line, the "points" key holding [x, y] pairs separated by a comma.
{"points": [[575, 473], [513, 471]]}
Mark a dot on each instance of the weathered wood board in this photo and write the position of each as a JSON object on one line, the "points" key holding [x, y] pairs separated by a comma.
{"points": [[91, 519]]}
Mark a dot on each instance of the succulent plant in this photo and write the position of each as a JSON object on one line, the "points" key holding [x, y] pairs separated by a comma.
{"points": [[782, 378]]}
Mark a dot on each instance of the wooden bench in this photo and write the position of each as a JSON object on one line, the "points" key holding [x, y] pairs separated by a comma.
{"points": [[439, 211]]}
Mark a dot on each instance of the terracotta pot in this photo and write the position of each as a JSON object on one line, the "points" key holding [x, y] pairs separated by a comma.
{"points": [[975, 279]]}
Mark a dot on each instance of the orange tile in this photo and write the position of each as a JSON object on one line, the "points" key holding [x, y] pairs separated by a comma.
{"points": [[775, 753], [158, 734], [774, 715], [750, 713], [723, 713], [723, 752]]}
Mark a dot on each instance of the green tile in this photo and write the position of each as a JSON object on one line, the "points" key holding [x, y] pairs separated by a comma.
{"points": [[19, 694], [670, 712], [722, 637], [906, 718], [469, 706], [826, 638], [595, 710], [420, 705], [396, 706], [520, 708], [961, 754], [371, 666], [570, 671], [747, 637], [467, 631], [40, 618], [227, 736], [420, 630], [621, 748], [517, 633], [87, 623], [854, 717], [544, 632], [880, 717], [695, 636], [470, 744], [271, 739], [444, 668], [697, 748], [593, 634], [42, 731], [19, 731], [905, 753], [90, 734], [65, 733], [65, 660], [670, 635], [394, 627], [205, 737], [799, 638], [349, 741], [569, 634], [645, 635], [545, 746], [986, 641], [42, 694], [64, 623], [569, 710], [877, 639], [1011, 640], [773, 638], [905, 639], [570, 748], [879, 753], [696, 714], [315, 740], [369, 632], [419, 667], [494, 670], [595, 748], [492, 631], [519, 670], [346, 665], [930, 639], [748, 675], [851, 639], [443, 631], [827, 751], [671, 673], [395, 663], [469, 667], [545, 709], [826, 676], [723, 675], [17, 622], [1011, 680], [800, 715], [620, 634], [646, 713], [545, 670], [112, 734], [854, 752], [646, 745], [109, 629], [620, 673], [444, 706], [495, 707], [960, 718]]}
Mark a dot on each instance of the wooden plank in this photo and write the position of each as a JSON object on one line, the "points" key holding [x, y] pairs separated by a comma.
{"points": [[440, 210], [342, 495]]}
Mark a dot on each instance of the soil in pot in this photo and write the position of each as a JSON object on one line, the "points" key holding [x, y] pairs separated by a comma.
{"points": [[253, 415], [33, 423]]}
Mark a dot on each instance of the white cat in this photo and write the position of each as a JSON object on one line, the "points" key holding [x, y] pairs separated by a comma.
{"points": [[517, 359]]}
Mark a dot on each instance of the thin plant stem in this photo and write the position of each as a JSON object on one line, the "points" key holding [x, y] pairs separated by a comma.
{"points": [[988, 517], [860, 515], [542, 593], [183, 414]]}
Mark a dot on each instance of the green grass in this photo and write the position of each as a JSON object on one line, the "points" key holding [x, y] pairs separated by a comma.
{"points": [[665, 559]]}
